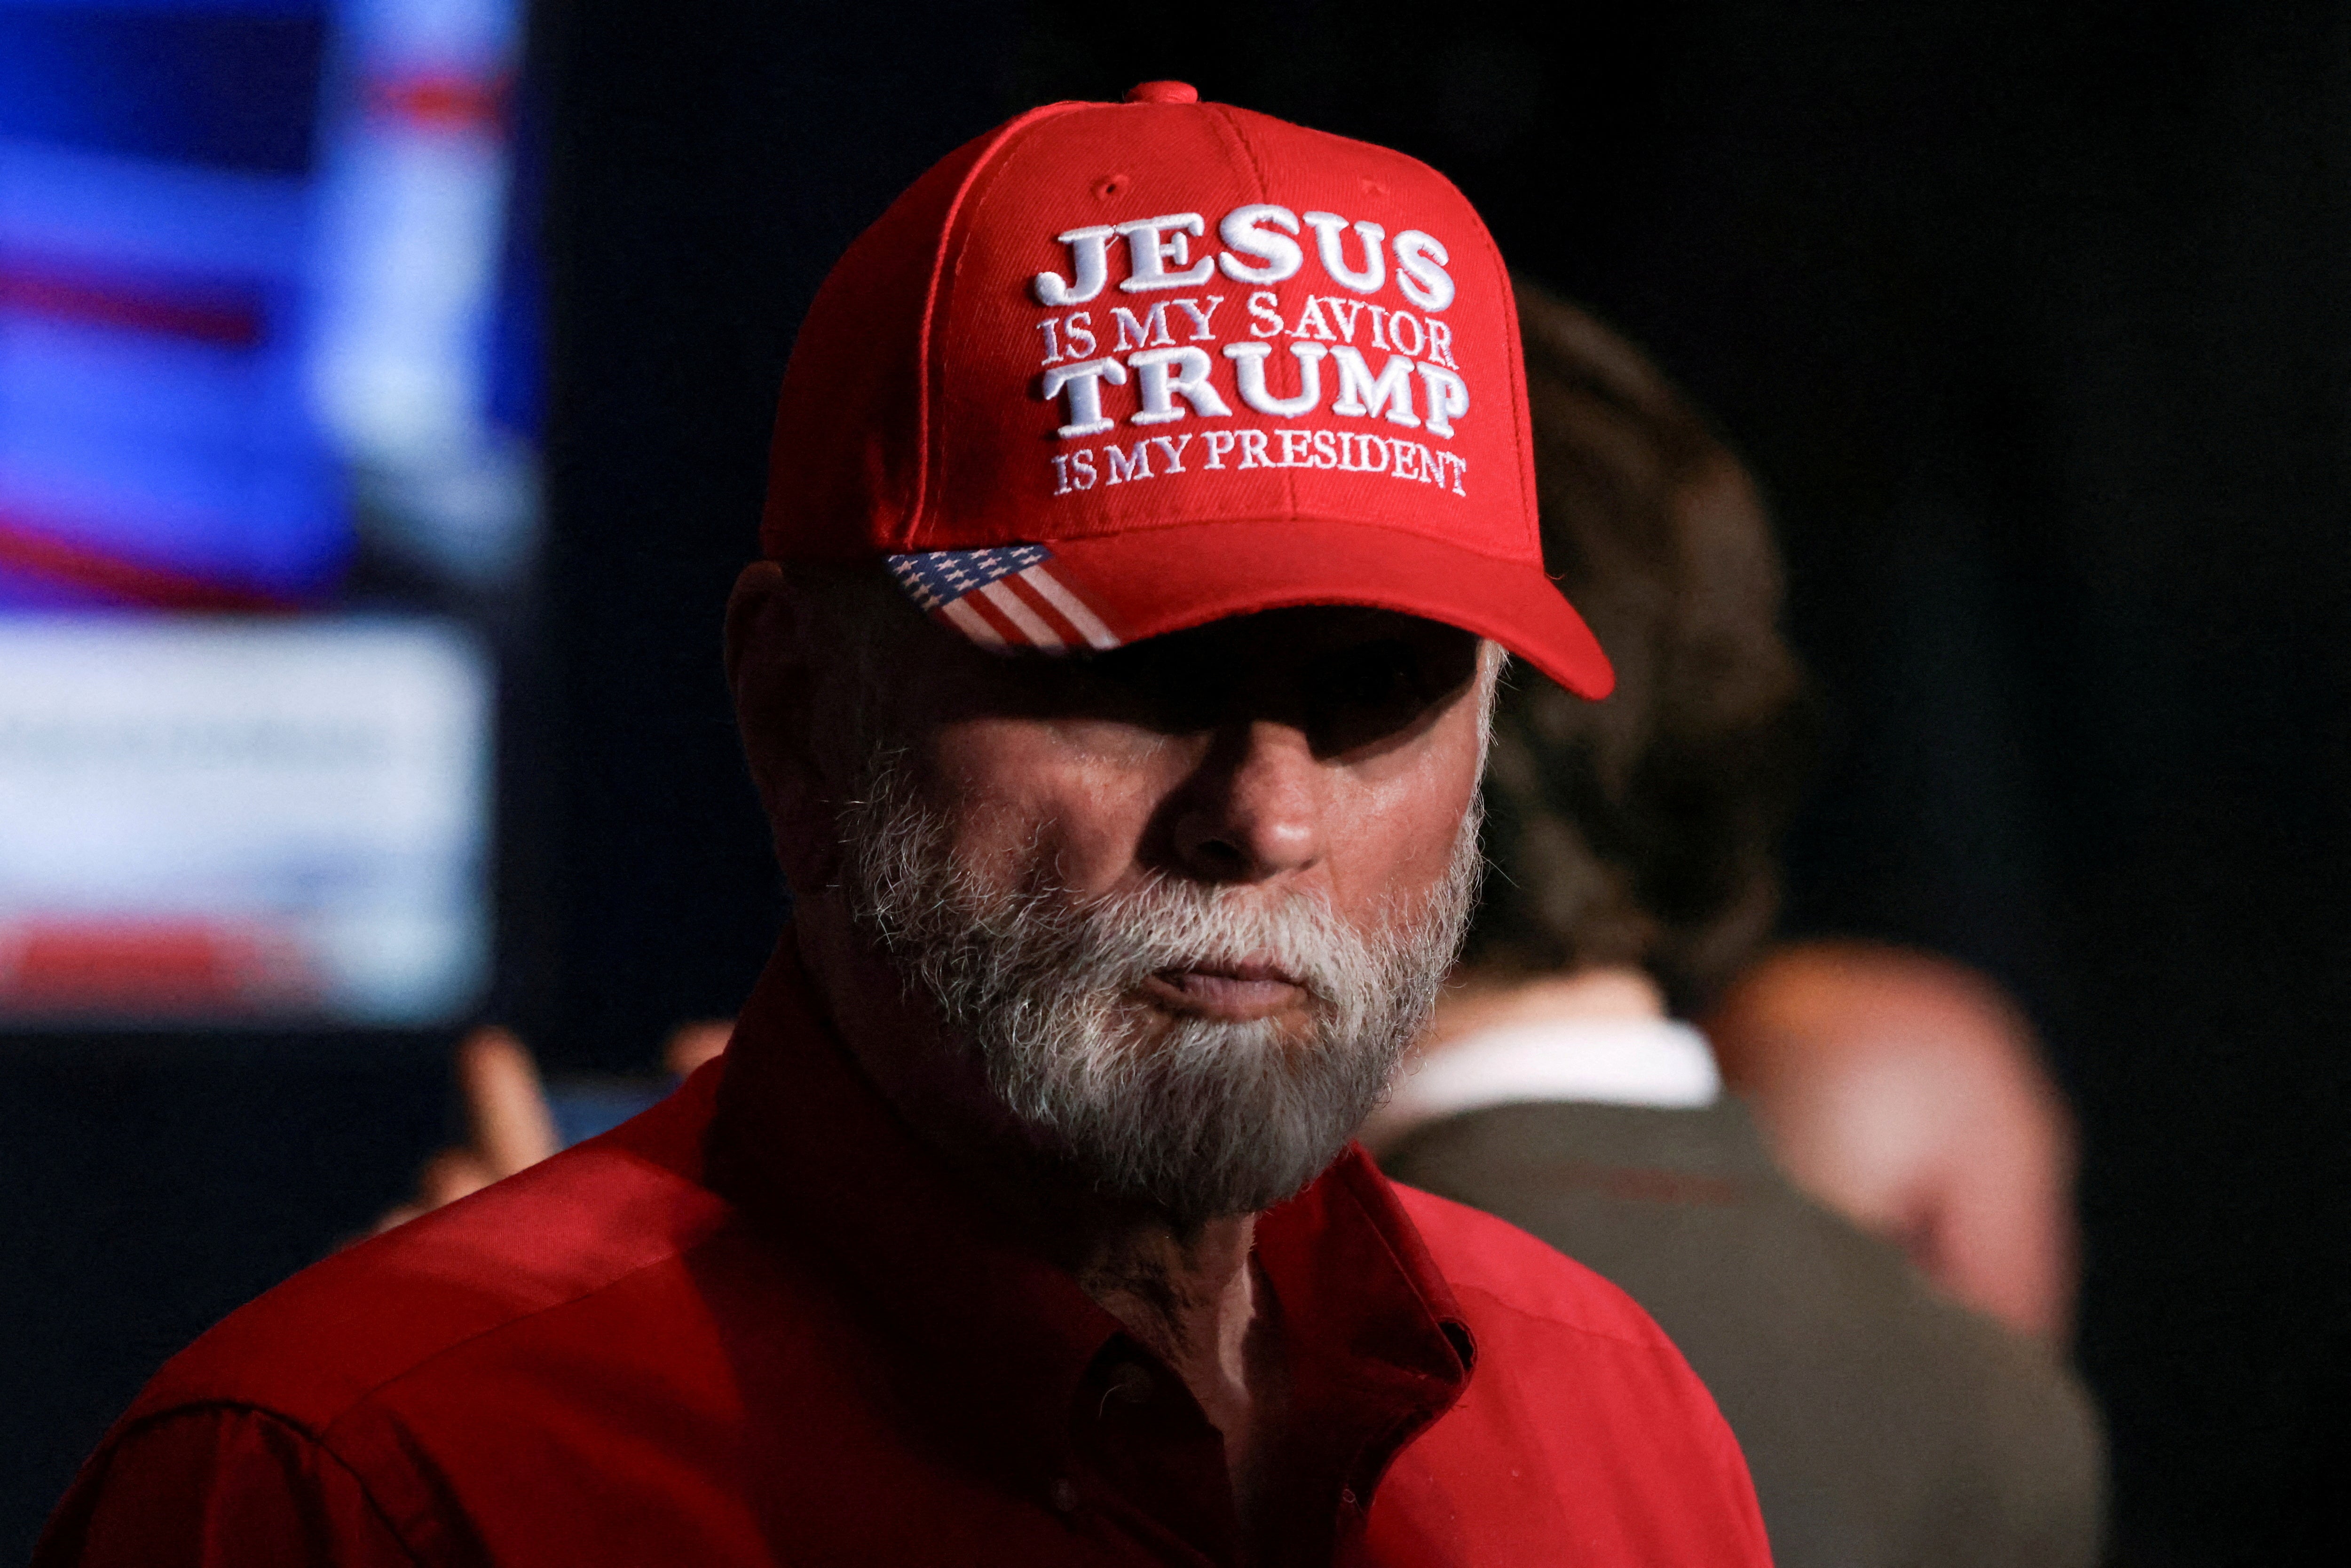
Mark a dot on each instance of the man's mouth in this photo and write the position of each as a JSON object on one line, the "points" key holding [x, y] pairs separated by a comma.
{"points": [[1240, 993]]}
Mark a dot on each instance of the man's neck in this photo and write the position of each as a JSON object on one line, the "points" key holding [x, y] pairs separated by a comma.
{"points": [[1191, 1298], [1202, 1304]]}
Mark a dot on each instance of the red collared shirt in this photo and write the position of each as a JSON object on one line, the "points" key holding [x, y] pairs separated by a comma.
{"points": [[759, 1324]]}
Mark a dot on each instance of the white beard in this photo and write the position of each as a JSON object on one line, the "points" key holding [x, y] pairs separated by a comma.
{"points": [[1208, 1118]]}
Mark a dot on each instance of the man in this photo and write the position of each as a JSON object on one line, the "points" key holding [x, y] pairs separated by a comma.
{"points": [[1887, 1426], [1020, 1222]]}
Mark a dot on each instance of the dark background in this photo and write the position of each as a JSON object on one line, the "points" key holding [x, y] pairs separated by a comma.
{"points": [[2034, 323]]}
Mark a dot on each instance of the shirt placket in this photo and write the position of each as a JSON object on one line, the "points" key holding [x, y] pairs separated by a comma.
{"points": [[1149, 1471]]}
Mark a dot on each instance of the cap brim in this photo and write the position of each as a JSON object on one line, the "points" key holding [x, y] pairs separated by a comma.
{"points": [[1123, 588]]}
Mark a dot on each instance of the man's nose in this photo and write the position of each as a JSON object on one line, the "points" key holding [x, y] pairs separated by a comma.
{"points": [[1254, 811]]}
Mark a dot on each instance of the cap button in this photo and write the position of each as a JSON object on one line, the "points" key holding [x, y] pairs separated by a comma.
{"points": [[1162, 92]]}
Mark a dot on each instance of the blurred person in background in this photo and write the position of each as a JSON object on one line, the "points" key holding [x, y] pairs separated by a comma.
{"points": [[1634, 846], [1021, 1220]]}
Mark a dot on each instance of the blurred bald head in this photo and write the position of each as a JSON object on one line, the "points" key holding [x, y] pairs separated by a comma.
{"points": [[1907, 1091]]}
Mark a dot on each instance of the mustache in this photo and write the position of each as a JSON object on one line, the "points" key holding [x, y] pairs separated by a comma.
{"points": [[1118, 940]]}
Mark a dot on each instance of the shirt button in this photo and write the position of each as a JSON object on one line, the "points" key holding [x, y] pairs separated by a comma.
{"points": [[1346, 1497], [1065, 1495]]}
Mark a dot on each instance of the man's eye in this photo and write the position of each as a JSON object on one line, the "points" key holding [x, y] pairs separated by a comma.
{"points": [[1152, 688], [1375, 692], [1381, 682]]}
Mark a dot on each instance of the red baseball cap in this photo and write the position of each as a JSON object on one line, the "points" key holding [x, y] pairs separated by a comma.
{"points": [[1111, 371]]}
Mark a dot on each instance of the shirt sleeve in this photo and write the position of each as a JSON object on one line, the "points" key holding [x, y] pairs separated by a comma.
{"points": [[214, 1487]]}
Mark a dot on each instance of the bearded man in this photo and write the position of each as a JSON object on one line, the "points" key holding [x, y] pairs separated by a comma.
{"points": [[1127, 790]]}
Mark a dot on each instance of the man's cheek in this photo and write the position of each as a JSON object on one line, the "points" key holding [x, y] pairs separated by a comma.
{"points": [[1090, 814], [1038, 843], [1405, 839], [1003, 844], [1093, 851]]}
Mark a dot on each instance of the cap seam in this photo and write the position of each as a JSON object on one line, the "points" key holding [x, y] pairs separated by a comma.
{"points": [[941, 268], [1264, 192], [1501, 277]]}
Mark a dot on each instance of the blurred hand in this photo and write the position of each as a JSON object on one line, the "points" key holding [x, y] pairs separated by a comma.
{"points": [[691, 1044], [1907, 1092], [509, 1124]]}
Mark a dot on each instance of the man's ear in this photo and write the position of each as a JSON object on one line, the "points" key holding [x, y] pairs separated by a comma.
{"points": [[767, 672], [759, 592]]}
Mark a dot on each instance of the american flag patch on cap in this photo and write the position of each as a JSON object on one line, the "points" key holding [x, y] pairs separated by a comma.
{"points": [[1001, 597]]}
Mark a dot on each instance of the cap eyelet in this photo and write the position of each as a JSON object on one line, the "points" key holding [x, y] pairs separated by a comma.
{"points": [[1109, 186]]}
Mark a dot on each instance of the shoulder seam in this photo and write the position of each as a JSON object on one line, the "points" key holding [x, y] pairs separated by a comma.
{"points": [[367, 1395], [335, 1411]]}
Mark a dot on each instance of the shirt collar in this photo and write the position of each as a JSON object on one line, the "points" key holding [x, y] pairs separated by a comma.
{"points": [[1659, 1062], [803, 1142], [1378, 1346]]}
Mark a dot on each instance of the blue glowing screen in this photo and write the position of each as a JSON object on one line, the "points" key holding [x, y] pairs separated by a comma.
{"points": [[265, 348], [253, 291]]}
